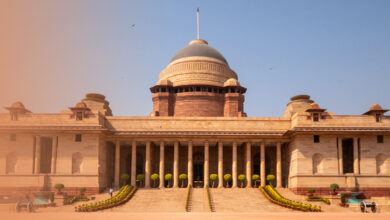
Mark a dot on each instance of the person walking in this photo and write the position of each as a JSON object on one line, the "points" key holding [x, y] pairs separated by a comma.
{"points": [[111, 191]]}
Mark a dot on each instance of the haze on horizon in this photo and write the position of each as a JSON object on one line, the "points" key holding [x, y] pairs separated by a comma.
{"points": [[54, 52]]}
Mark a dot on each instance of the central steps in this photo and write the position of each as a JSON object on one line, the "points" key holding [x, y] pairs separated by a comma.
{"points": [[199, 202]]}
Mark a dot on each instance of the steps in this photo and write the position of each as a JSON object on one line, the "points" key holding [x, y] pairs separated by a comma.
{"points": [[243, 200], [198, 200], [155, 200]]}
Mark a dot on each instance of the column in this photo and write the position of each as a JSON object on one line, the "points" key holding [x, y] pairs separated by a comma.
{"points": [[248, 165], [117, 162], [176, 164], [278, 165], [220, 164], [54, 154], [38, 155], [340, 154], [133, 163], [206, 164], [147, 165], [262, 164], [162, 161], [356, 169], [190, 168], [234, 165]]}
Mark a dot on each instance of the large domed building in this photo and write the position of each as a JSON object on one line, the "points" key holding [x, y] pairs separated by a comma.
{"points": [[197, 127], [198, 82]]}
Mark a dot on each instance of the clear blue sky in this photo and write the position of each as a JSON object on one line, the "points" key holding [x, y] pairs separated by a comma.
{"points": [[337, 51]]}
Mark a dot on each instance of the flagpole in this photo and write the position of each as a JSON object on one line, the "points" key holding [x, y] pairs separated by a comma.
{"points": [[197, 21]]}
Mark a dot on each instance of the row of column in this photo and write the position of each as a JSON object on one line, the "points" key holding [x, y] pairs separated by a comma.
{"points": [[37, 159], [356, 167], [205, 165]]}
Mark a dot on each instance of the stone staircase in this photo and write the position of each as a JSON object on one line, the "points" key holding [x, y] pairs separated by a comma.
{"points": [[198, 200], [243, 200], [155, 200]]}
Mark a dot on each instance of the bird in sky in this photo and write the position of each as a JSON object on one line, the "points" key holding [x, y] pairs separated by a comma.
{"points": [[133, 25]]}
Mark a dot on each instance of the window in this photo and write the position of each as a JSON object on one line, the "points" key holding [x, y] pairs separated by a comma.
{"points": [[78, 137], [379, 139], [14, 116], [12, 137], [79, 116], [316, 138], [316, 117], [378, 118]]}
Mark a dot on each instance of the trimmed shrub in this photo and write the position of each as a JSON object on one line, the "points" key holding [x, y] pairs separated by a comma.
{"points": [[318, 199], [311, 191], [124, 178], [182, 177], [213, 177], [59, 187], [242, 178], [334, 187], [82, 190], [51, 197], [154, 177], [270, 178], [255, 177], [168, 177], [227, 178], [343, 199], [140, 178]]}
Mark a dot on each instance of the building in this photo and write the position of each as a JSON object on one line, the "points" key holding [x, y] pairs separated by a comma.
{"points": [[198, 126]]}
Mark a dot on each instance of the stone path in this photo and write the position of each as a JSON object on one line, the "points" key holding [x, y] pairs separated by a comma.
{"points": [[199, 202], [155, 200], [243, 200]]}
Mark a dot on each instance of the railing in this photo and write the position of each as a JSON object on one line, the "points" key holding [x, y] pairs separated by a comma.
{"points": [[271, 194], [211, 206], [188, 197], [124, 194]]}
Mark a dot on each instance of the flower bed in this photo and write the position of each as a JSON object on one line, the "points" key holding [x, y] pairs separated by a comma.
{"points": [[73, 199], [209, 198], [188, 197], [318, 199], [271, 194], [124, 194]]}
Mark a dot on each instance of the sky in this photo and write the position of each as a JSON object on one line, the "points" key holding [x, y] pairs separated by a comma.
{"points": [[54, 52]]}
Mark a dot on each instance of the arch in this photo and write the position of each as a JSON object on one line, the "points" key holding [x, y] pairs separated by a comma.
{"points": [[381, 164], [11, 161], [77, 162], [317, 163]]}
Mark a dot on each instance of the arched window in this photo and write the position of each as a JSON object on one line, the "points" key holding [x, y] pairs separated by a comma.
{"points": [[77, 161], [11, 160], [381, 164], [317, 163]]}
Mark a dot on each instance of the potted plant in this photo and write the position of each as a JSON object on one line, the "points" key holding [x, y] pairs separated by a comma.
{"points": [[242, 178], [227, 178], [334, 187], [310, 192], [255, 178], [270, 179], [51, 197], [154, 177], [140, 178], [182, 177], [213, 177], [343, 200], [59, 187], [124, 178], [168, 177], [82, 190]]}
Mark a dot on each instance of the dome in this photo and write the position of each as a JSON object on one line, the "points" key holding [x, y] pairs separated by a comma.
{"points": [[231, 82], [81, 105], [17, 105], [375, 107], [164, 82], [199, 48]]}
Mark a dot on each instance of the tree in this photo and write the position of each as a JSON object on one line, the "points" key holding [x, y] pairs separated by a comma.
{"points": [[242, 178], [182, 177], [124, 178], [255, 177], [334, 187], [59, 187], [140, 178], [213, 177], [82, 190], [168, 177], [154, 177], [270, 178], [227, 178]]}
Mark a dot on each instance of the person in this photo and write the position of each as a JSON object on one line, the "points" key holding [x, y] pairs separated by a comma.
{"points": [[111, 191]]}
